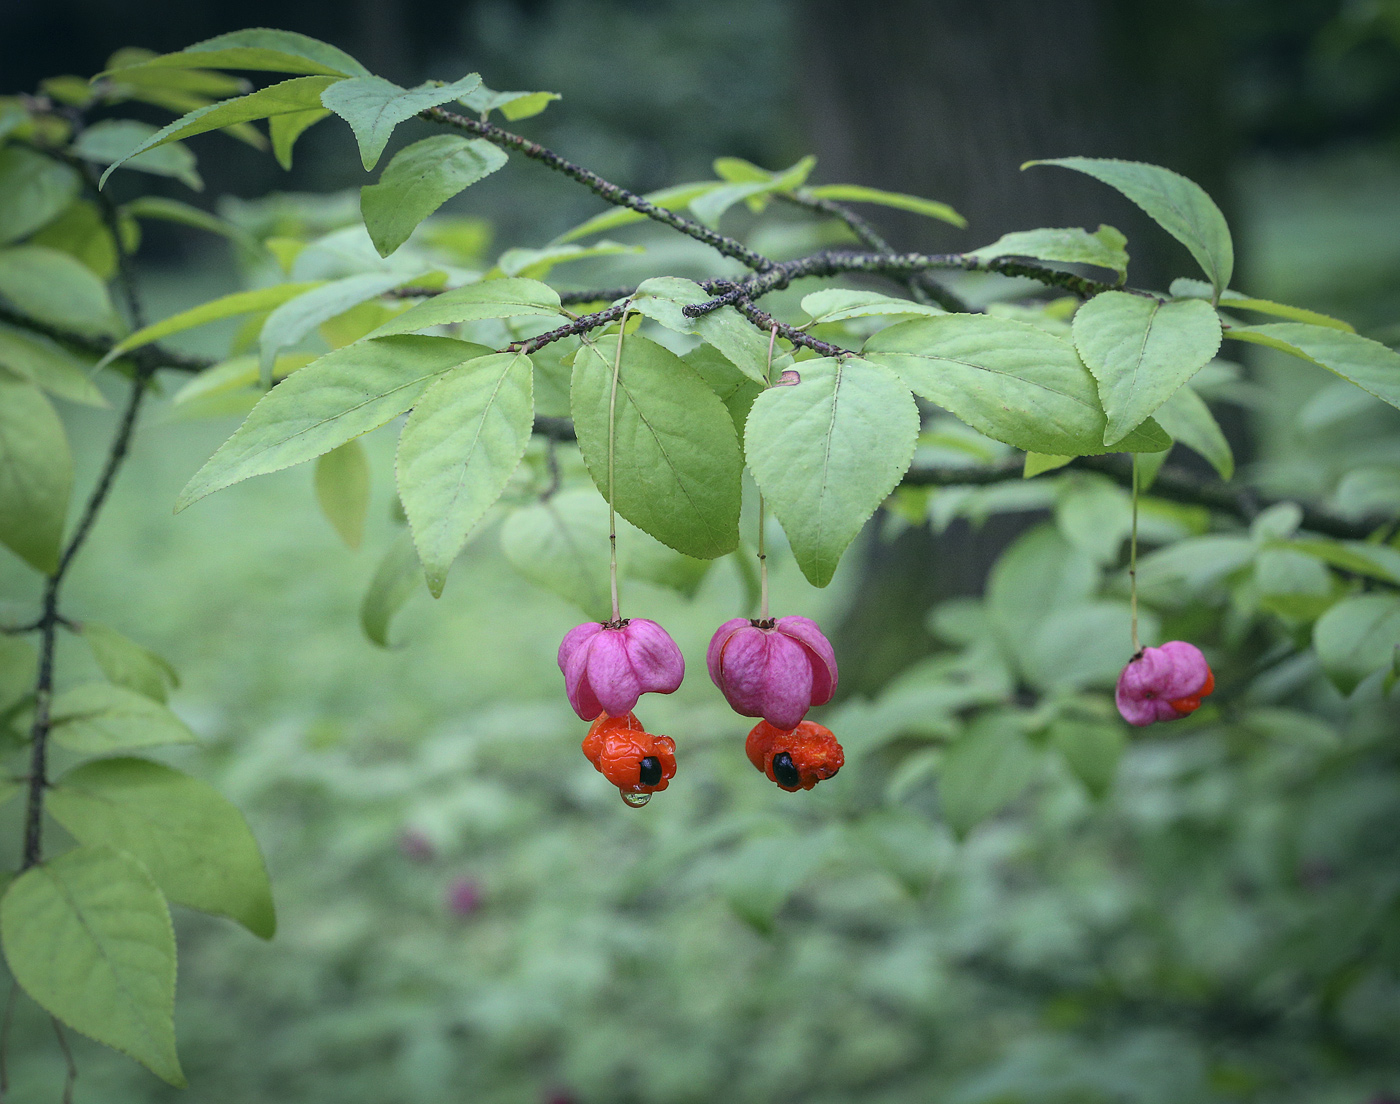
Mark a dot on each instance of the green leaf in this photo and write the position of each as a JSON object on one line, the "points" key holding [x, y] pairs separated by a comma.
{"points": [[1375, 561], [984, 771], [226, 306], [194, 843], [561, 545], [840, 304], [709, 207], [1037, 463], [1188, 419], [1039, 573], [1091, 750], [677, 461], [1105, 248], [419, 180], [395, 579], [172, 210], [53, 287], [1292, 584], [735, 389], [1141, 350], [662, 299], [49, 364], [97, 717], [132, 59], [674, 198], [827, 451], [34, 189], [858, 193], [257, 48], [19, 663], [286, 128], [1094, 515], [112, 140], [293, 320], [1183, 288], [332, 400], [81, 232], [342, 489], [1180, 206], [1010, 380], [458, 450], [36, 474], [1080, 646], [127, 664], [374, 106], [1358, 637], [88, 936], [510, 297], [513, 105], [1373, 367], [537, 263], [297, 94]]}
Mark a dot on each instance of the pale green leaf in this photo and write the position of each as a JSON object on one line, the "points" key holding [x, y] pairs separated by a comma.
{"points": [[418, 180], [1180, 206], [256, 48], [984, 771], [1375, 561], [677, 461], [662, 299], [34, 189], [113, 140], [1037, 463], [293, 320], [1187, 418], [1358, 637], [342, 489], [88, 936], [286, 128], [194, 843], [1105, 248], [398, 575], [374, 106], [1009, 380], [1373, 367], [54, 287], [510, 297], [1091, 750], [858, 193], [127, 664], [81, 232], [840, 304], [1141, 351], [458, 450], [537, 263], [710, 206], [36, 474], [172, 210], [19, 663], [335, 399], [1094, 515], [735, 389], [1083, 646], [97, 717], [513, 105], [561, 545], [669, 199], [297, 94], [49, 364], [826, 451], [1184, 288]]}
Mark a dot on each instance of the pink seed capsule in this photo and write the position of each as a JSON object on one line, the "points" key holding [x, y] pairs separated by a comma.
{"points": [[608, 666], [1163, 684], [776, 670]]}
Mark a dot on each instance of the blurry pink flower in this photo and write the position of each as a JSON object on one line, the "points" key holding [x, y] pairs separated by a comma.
{"points": [[1163, 684], [463, 897], [606, 668], [414, 845], [776, 670]]}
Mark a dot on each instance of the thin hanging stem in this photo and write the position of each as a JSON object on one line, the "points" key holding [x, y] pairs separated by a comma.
{"points": [[1132, 561], [5, 1040], [762, 552], [612, 447], [70, 1067]]}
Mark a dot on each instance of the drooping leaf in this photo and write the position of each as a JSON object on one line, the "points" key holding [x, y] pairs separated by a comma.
{"points": [[256, 48], [1184, 288], [34, 189], [1010, 380], [1358, 637], [1373, 367], [297, 94], [88, 936], [511, 297], [827, 451], [677, 461], [49, 364], [332, 400], [286, 128], [342, 489], [374, 106], [984, 771], [1141, 351], [709, 207], [1104, 248], [172, 210], [112, 140], [674, 198], [54, 287], [858, 193], [840, 304], [36, 474], [418, 180], [1187, 418], [663, 297], [97, 717], [128, 664], [458, 450], [192, 840], [395, 579], [1180, 206], [1374, 561]]}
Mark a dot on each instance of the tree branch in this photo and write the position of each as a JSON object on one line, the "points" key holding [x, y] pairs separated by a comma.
{"points": [[148, 358]]}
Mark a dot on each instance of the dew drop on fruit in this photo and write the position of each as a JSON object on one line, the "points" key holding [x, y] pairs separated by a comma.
{"points": [[636, 800]]}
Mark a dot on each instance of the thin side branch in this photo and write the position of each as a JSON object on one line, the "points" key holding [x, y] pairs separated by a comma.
{"points": [[148, 358]]}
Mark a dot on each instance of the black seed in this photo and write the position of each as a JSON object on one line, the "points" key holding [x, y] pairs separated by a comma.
{"points": [[784, 771], [651, 770]]}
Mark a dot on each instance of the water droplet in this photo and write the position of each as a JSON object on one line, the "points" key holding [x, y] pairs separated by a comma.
{"points": [[636, 800]]}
